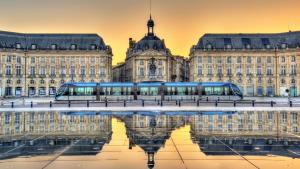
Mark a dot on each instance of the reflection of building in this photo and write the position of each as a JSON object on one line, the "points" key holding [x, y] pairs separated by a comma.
{"points": [[37, 64], [49, 132], [150, 60], [262, 64], [150, 131], [249, 133]]}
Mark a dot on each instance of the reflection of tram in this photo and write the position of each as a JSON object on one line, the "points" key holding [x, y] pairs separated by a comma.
{"points": [[149, 91]]}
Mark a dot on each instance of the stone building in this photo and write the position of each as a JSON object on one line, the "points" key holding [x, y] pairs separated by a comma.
{"points": [[149, 59], [119, 72], [37, 64], [260, 64]]}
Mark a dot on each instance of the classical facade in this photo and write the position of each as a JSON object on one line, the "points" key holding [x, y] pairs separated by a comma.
{"points": [[119, 72], [261, 64], [37, 64], [149, 60]]}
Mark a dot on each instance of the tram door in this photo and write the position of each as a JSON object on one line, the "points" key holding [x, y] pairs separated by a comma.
{"points": [[135, 92], [162, 92], [98, 92]]}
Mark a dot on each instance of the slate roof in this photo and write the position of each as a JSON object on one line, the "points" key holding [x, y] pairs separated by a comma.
{"points": [[150, 42], [250, 41], [45, 41]]}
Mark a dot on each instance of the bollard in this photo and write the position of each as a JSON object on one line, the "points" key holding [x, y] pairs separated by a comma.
{"points": [[272, 104], [31, 104], [234, 103], [291, 104], [12, 104], [50, 104], [253, 103], [69, 103], [198, 103], [124, 103], [87, 103], [161, 103], [216, 103], [179, 103], [143, 103], [206, 99]]}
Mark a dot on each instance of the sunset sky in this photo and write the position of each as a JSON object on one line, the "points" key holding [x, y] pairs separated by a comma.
{"points": [[180, 22]]}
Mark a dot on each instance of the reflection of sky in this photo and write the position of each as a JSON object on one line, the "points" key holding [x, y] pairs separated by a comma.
{"points": [[175, 141], [180, 22]]}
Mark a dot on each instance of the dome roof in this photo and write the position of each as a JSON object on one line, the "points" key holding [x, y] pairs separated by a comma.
{"points": [[150, 42]]}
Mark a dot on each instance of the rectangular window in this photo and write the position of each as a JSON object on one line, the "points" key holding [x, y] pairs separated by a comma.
{"points": [[199, 59], [199, 70], [32, 60], [43, 60], [42, 70], [18, 70], [269, 59], [249, 60], [52, 60], [239, 70], [229, 72], [72, 70], [63, 70], [282, 59], [269, 70], [52, 70], [82, 70], [19, 60], [8, 59], [92, 70], [102, 71], [209, 70], [293, 70], [282, 70], [258, 60], [293, 58], [8, 70], [239, 59], [259, 70], [32, 70], [209, 59]]}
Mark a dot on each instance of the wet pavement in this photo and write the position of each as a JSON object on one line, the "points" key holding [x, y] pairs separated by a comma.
{"points": [[112, 140]]}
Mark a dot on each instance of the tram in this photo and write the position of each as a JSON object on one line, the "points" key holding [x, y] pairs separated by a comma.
{"points": [[149, 91]]}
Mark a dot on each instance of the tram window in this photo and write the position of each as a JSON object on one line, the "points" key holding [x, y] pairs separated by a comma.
{"points": [[218, 91], [191, 91], [169, 90], [71, 91], [153, 91], [226, 91], [129, 91], [79, 91], [116, 91], [66, 91], [144, 91], [89, 91], [181, 91], [208, 91]]}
